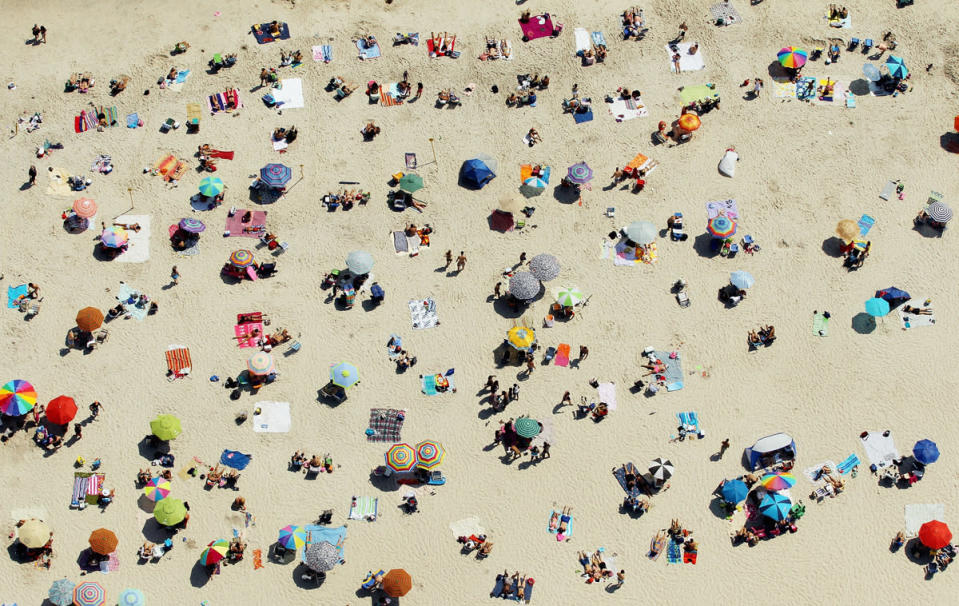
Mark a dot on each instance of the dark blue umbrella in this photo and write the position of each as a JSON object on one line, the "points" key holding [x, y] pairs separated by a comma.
{"points": [[925, 451], [276, 175], [775, 506], [735, 491], [894, 296], [476, 173]]}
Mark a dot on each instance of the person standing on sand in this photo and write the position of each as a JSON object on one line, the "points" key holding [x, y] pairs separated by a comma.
{"points": [[544, 454], [449, 259], [43, 34], [497, 290], [530, 364], [32, 173], [460, 262], [95, 408], [583, 352], [522, 258], [175, 276]]}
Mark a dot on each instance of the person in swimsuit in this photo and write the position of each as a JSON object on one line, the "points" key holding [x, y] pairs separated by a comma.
{"points": [[565, 519]]}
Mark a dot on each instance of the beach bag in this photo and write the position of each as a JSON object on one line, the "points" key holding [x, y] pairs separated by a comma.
{"points": [[727, 165]]}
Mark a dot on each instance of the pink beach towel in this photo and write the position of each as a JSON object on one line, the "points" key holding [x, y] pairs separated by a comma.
{"points": [[244, 334], [254, 229], [538, 26], [94, 485]]}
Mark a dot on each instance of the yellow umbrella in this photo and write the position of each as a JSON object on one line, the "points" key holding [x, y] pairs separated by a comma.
{"points": [[34, 534], [521, 337], [847, 229]]}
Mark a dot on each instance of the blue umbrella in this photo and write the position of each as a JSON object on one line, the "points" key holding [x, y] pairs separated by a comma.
{"points": [[742, 279], [925, 451], [344, 375], [131, 597], [871, 72], [775, 506], [61, 592], [896, 67], [476, 173], [276, 175], [734, 491], [894, 296], [877, 307]]}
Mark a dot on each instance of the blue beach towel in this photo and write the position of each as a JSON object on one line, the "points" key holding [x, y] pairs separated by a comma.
{"points": [[865, 224], [235, 459], [327, 52], [598, 38], [263, 36], [133, 120], [674, 552], [583, 117], [367, 52], [847, 465], [429, 383], [13, 292], [182, 76], [569, 525], [674, 371], [689, 419], [806, 88]]}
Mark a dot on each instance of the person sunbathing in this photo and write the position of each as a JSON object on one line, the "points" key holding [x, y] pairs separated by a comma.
{"points": [[370, 131], [601, 411], [274, 28], [600, 51], [520, 585], [146, 550], [118, 86], [285, 58], [239, 504], [512, 99], [768, 333], [657, 367], [507, 584], [754, 338], [588, 58], [144, 476], [919, 311], [524, 17], [485, 548], [564, 519]]}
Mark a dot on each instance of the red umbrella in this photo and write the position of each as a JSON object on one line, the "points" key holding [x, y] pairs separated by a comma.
{"points": [[61, 410], [935, 534]]}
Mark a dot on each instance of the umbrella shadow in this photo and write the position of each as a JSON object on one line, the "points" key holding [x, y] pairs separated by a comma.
{"points": [[200, 575], [704, 246], [917, 553], [264, 195], [717, 509], [926, 231], [950, 142], [145, 504], [566, 195], [859, 87], [504, 308], [155, 532], [832, 247], [313, 580], [863, 323], [86, 559], [383, 483], [775, 70], [150, 447]]}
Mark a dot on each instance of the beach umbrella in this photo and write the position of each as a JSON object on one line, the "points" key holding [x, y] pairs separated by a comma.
{"points": [[292, 537], [114, 237], [641, 232], [397, 583], [544, 266], [661, 469], [847, 229], [579, 173], [935, 534], [871, 72], [191, 225], [261, 364], [211, 186], [524, 285], [103, 541], [429, 454], [214, 552], [61, 410], [89, 319], [89, 593], [61, 592], [34, 533], [721, 226], [742, 279], [359, 262], [17, 397], [521, 338], [157, 489], [778, 481], [896, 67], [165, 427], [775, 506], [411, 183], [276, 175], [169, 512], [85, 208], [938, 211], [479, 171], [322, 556], [400, 457], [241, 258], [344, 375], [925, 451], [131, 597], [734, 491], [792, 57], [526, 427], [569, 296], [877, 307], [690, 122], [533, 186]]}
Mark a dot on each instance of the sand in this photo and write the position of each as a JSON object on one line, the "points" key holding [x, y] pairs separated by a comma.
{"points": [[802, 169]]}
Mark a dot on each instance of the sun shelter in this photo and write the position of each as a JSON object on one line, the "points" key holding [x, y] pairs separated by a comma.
{"points": [[344, 375], [641, 232], [166, 427], [544, 267], [61, 410], [321, 557], [169, 512], [477, 172], [359, 262], [17, 398], [103, 541], [89, 319], [34, 534], [521, 338], [734, 491], [524, 286], [61, 592], [397, 583], [894, 296], [214, 552], [429, 455], [275, 175], [769, 450]]}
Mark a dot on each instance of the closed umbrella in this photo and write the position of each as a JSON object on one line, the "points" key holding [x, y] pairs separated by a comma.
{"points": [[579, 173], [690, 122], [211, 186], [131, 597], [935, 534], [34, 533], [411, 183], [114, 237], [292, 537], [344, 375], [429, 454], [544, 266], [775, 506], [261, 364], [877, 307], [521, 338], [165, 427], [169, 512], [157, 489], [103, 541], [89, 593], [61, 410], [721, 226], [847, 229], [526, 427], [641, 232], [17, 397], [939, 212], [568, 296], [241, 258], [322, 557], [359, 262], [397, 583], [524, 285], [734, 491], [778, 481], [926, 452], [661, 469], [401, 457], [61, 592], [214, 552], [89, 319], [276, 175], [85, 208], [191, 225], [742, 279]]}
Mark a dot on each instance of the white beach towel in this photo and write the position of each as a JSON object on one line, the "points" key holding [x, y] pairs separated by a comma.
{"points": [[728, 207], [466, 527], [880, 449], [290, 94], [917, 515], [784, 89], [281, 144], [606, 392], [910, 320], [583, 41], [727, 165], [138, 250], [271, 417], [623, 110], [423, 313], [814, 473], [687, 62]]}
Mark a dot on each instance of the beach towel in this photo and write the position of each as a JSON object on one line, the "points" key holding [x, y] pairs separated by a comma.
{"points": [[656, 546], [138, 243], [917, 515], [785, 89], [113, 116], [371, 52], [133, 120], [111, 564], [674, 552], [628, 255], [400, 244], [569, 525], [888, 190], [58, 185], [815, 474], [845, 23], [865, 224], [178, 361], [606, 392], [581, 36], [254, 229], [290, 94], [728, 208], [193, 112], [386, 424], [263, 35], [410, 159], [911, 320], [14, 294], [689, 557], [538, 26], [506, 50], [687, 62], [620, 474], [806, 88], [257, 559], [177, 85], [124, 295], [467, 527], [880, 449], [430, 382], [848, 463], [248, 334], [79, 489], [689, 421], [389, 95], [423, 313], [279, 145], [271, 417], [94, 486], [699, 92], [562, 355], [319, 534], [235, 459], [838, 96], [92, 121], [674, 370], [627, 109], [850, 99], [598, 38], [580, 117], [323, 53], [725, 12], [219, 102], [449, 43], [820, 325], [363, 507]]}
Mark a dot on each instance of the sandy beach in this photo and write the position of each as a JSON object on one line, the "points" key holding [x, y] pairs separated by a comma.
{"points": [[803, 167]]}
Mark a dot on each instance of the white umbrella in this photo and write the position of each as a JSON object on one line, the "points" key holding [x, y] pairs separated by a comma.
{"points": [[641, 232], [524, 285], [359, 262], [545, 267]]}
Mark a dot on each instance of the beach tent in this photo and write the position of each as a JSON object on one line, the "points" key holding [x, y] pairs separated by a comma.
{"points": [[778, 445], [894, 296], [477, 172]]}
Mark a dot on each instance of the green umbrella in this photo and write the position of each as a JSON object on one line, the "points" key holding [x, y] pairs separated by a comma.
{"points": [[569, 296], [525, 427], [411, 183], [166, 427], [169, 512]]}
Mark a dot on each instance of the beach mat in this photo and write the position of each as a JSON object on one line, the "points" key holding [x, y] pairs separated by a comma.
{"points": [[423, 313], [429, 384], [178, 360], [598, 38], [820, 325], [880, 449], [910, 320], [815, 474], [848, 463], [400, 244], [627, 109], [386, 425], [263, 36], [361, 507], [656, 547], [538, 26], [319, 534], [726, 12], [14, 293], [467, 527], [290, 94], [569, 525], [687, 62], [917, 515], [698, 92], [581, 37], [806, 88], [451, 47], [138, 243], [367, 52], [323, 52], [865, 223], [888, 190], [674, 370], [131, 309], [674, 552], [784, 89], [606, 392], [271, 417], [728, 207], [248, 334], [581, 117], [254, 229]]}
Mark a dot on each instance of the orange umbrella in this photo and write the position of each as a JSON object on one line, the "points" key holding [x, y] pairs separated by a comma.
{"points": [[89, 319], [103, 541], [85, 208], [397, 582], [689, 122]]}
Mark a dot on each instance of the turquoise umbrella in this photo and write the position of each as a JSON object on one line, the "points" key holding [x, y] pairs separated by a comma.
{"points": [[896, 67], [211, 186], [61, 592], [877, 307], [775, 506], [131, 597]]}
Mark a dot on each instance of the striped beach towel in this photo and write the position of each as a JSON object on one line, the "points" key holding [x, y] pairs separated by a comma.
{"points": [[387, 99], [94, 485], [361, 507], [245, 334], [674, 552], [386, 425], [178, 361], [92, 120], [111, 564], [79, 489]]}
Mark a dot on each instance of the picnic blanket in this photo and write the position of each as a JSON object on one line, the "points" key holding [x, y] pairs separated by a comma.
{"points": [[880, 449], [848, 463], [674, 370], [580, 117], [219, 102], [698, 92], [627, 109], [820, 325], [254, 229], [815, 473], [248, 334], [726, 12], [583, 42], [806, 88], [178, 360], [363, 507], [423, 313], [262, 33], [271, 417], [14, 294], [911, 320], [323, 52], [386, 424], [539, 26], [133, 121], [917, 515], [674, 552], [722, 207], [430, 383], [687, 62], [367, 52], [138, 243], [290, 94], [606, 392], [785, 89], [124, 295]]}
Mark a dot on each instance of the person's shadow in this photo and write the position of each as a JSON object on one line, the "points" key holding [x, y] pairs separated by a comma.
{"points": [[26, 186]]}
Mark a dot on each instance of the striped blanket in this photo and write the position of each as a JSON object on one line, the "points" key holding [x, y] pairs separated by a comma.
{"points": [[362, 507], [86, 488], [386, 425], [178, 361], [220, 102], [387, 99]]}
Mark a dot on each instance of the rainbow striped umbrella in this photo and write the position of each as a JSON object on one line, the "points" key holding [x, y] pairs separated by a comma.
{"points": [[114, 237], [157, 489], [241, 258], [89, 594], [400, 457], [292, 537], [211, 186], [17, 398], [721, 226], [429, 454], [792, 57], [579, 173], [778, 481], [261, 363], [214, 552], [85, 208], [131, 597], [194, 226]]}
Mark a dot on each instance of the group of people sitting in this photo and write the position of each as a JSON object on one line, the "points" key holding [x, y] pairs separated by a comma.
{"points": [[222, 478], [473, 542], [443, 44], [594, 568], [81, 82], [634, 23], [923, 218], [290, 58], [855, 254], [764, 336], [285, 134], [346, 199], [314, 464], [596, 54], [597, 411], [152, 551], [496, 49]]}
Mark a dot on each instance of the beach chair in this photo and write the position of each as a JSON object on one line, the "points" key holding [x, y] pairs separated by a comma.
{"points": [[682, 298], [821, 492], [853, 43], [333, 392], [866, 45]]}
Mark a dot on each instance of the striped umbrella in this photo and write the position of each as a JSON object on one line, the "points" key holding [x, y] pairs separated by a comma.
{"points": [[524, 285], [292, 537], [89, 319], [792, 57], [778, 481], [276, 175], [526, 427], [169, 512], [103, 541], [214, 552], [191, 225], [429, 454], [85, 208], [397, 583], [579, 173], [775, 506], [400, 457], [322, 557], [721, 226], [157, 489], [166, 427], [569, 296], [61, 410], [939, 212], [544, 267], [241, 258], [344, 375], [131, 597], [114, 237], [533, 186], [521, 338], [261, 363], [896, 67], [661, 469], [742, 279], [211, 186], [61, 592], [17, 398], [89, 593]]}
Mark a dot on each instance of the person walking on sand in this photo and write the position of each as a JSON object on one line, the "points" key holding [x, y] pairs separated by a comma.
{"points": [[723, 447], [32, 173], [583, 352], [95, 408], [620, 577], [460, 262], [264, 77], [78, 431], [449, 259], [530, 365], [497, 290], [174, 276]]}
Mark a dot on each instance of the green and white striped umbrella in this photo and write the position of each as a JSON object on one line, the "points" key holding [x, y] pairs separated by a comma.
{"points": [[569, 296]]}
